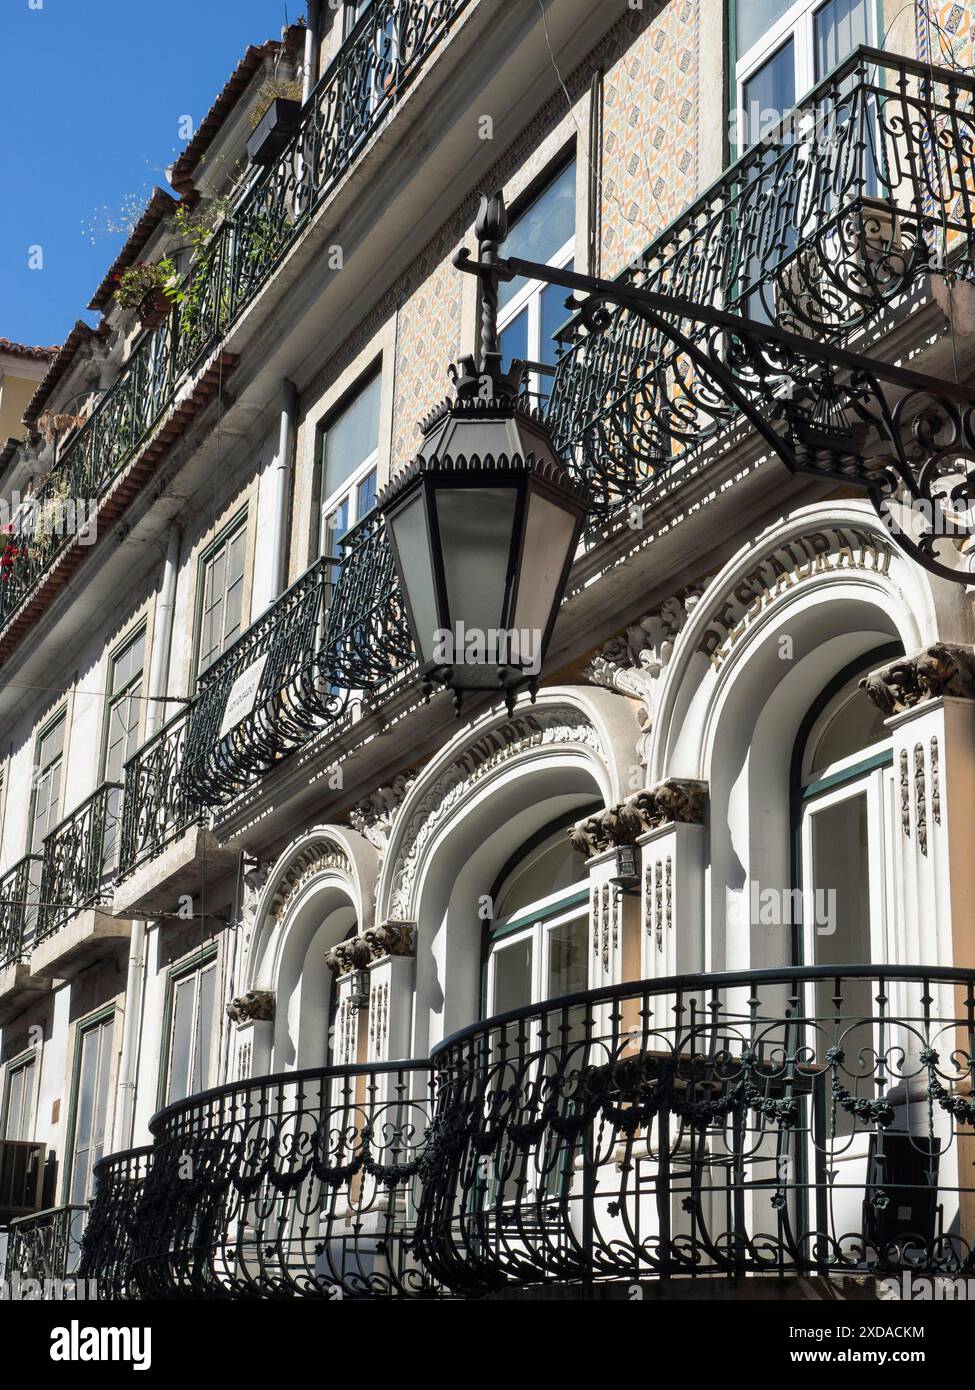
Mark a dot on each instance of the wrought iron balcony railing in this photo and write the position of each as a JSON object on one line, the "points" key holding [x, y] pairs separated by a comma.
{"points": [[80, 857], [355, 94], [779, 1122], [292, 672], [836, 212], [302, 1185], [108, 1244], [46, 1244], [155, 809], [19, 894]]}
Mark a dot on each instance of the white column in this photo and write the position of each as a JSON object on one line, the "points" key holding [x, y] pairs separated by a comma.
{"points": [[934, 832], [390, 1008], [672, 900]]}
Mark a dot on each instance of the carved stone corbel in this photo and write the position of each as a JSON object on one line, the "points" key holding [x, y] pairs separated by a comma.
{"points": [[390, 939], [944, 668], [672, 802], [353, 954], [256, 1006]]}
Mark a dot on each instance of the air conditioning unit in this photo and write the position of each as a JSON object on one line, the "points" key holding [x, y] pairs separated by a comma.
{"points": [[21, 1178]]}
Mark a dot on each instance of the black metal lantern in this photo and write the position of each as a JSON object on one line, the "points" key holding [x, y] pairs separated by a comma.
{"points": [[627, 875], [485, 522]]}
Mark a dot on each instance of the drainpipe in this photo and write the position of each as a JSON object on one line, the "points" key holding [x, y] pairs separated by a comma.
{"points": [[281, 485], [313, 36], [162, 638]]}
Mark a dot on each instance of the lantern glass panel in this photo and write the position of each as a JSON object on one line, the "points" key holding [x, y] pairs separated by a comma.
{"points": [[409, 526], [549, 533], [476, 525]]}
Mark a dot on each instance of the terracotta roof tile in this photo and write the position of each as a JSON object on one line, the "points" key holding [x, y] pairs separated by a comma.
{"points": [[33, 354], [181, 174], [81, 333]]}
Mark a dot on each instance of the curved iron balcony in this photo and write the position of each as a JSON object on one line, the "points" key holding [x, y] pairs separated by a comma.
{"points": [[776, 1122], [299, 1185], [323, 640], [803, 1121], [108, 1243], [355, 94], [835, 213]]}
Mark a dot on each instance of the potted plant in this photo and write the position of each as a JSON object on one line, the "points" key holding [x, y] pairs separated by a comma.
{"points": [[274, 119], [149, 287]]}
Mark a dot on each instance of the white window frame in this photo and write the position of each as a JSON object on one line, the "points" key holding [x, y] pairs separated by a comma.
{"points": [[30, 1062], [547, 917], [798, 24], [177, 977], [350, 487], [530, 295]]}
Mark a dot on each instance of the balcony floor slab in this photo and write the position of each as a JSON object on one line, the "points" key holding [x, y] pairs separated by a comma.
{"points": [[156, 886], [19, 988], [84, 938]]}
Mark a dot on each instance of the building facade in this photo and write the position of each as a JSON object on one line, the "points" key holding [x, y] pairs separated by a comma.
{"points": [[312, 986]]}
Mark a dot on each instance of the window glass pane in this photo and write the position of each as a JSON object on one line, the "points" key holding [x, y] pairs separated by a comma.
{"points": [[568, 958], [543, 228], [513, 975], [100, 1125], [769, 93], [204, 1024], [181, 1039], [754, 18], [549, 869], [840, 929], [19, 1088], [336, 525], [351, 438], [856, 724], [839, 26], [366, 498], [513, 340], [52, 744]]}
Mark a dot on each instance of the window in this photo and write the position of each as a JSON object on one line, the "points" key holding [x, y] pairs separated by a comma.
{"points": [[222, 593], [18, 1104], [845, 801], [124, 707], [530, 312], [784, 49], [537, 944], [90, 1105], [348, 453], [192, 996], [46, 799]]}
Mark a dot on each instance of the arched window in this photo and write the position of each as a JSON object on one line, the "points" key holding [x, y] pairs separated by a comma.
{"points": [[536, 945], [843, 784]]}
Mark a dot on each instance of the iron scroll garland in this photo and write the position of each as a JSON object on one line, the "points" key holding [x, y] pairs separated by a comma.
{"points": [[896, 434]]}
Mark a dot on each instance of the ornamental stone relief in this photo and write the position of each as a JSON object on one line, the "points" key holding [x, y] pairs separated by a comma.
{"points": [[634, 663], [373, 817], [675, 801], [944, 668], [515, 737], [311, 861]]}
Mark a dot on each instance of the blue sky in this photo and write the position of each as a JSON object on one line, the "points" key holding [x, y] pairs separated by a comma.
{"points": [[93, 94]]}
